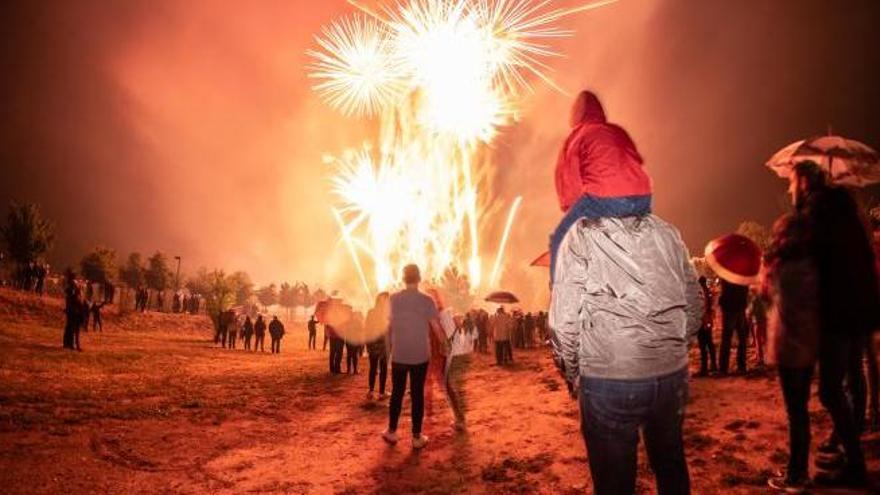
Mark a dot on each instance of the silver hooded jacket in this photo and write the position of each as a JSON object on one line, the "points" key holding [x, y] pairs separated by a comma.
{"points": [[625, 303]]}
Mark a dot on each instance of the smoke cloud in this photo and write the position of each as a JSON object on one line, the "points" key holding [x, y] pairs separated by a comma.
{"points": [[190, 127]]}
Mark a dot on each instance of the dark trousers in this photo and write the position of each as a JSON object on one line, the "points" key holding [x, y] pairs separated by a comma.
{"points": [[233, 336], [258, 342], [417, 374], [70, 328], [247, 342], [873, 380], [857, 388], [378, 365], [336, 346], [613, 411], [707, 350], [734, 322], [507, 356], [223, 335], [351, 358], [97, 324], [455, 385], [795, 383], [312, 340], [836, 351], [276, 346], [499, 352]]}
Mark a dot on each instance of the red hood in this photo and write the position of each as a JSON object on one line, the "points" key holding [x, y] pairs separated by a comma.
{"points": [[587, 108]]}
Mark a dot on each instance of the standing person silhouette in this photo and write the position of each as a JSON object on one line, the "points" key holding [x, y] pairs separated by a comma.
{"points": [[413, 316]]}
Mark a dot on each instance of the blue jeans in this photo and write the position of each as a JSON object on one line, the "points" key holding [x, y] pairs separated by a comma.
{"points": [[613, 411]]}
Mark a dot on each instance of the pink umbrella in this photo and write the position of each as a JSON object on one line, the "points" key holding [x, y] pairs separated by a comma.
{"points": [[847, 162], [735, 258]]}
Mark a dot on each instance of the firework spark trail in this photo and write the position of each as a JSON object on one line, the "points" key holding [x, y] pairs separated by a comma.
{"points": [[441, 77], [496, 268]]}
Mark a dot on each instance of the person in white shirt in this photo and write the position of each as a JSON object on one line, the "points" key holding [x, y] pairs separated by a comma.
{"points": [[460, 344]]}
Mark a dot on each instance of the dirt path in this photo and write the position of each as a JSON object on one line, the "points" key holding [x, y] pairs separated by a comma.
{"points": [[152, 407]]}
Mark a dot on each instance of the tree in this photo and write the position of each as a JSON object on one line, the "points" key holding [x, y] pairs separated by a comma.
{"points": [[132, 273], [758, 233], [455, 288], [244, 288], [217, 289], [268, 295], [287, 297], [28, 235], [158, 275], [99, 266]]}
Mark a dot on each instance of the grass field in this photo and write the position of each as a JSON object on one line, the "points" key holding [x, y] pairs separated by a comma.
{"points": [[151, 406]]}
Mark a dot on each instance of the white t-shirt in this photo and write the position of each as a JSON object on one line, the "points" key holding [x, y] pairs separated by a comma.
{"points": [[462, 342]]}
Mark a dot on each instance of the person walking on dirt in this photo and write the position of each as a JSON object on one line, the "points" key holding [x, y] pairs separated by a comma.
{"points": [[377, 350], [276, 332], [247, 332], [413, 316], [757, 314], [733, 302], [849, 313], [72, 311], [708, 362], [259, 333], [461, 341], [313, 332], [97, 322], [233, 332], [353, 349], [791, 283], [336, 346], [501, 326]]}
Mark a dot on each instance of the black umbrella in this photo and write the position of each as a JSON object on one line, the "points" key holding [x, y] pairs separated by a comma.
{"points": [[502, 297]]}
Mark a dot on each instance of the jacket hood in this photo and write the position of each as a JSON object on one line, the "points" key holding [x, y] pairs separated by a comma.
{"points": [[587, 108]]}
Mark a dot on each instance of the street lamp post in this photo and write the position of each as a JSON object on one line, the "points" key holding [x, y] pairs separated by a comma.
{"points": [[177, 276]]}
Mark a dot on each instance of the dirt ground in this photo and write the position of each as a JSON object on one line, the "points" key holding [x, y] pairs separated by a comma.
{"points": [[151, 406]]}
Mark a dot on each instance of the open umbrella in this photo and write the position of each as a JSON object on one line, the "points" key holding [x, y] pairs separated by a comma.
{"points": [[734, 258], [502, 297], [333, 312], [543, 260], [847, 162]]}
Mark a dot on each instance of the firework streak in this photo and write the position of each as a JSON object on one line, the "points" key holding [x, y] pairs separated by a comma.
{"points": [[441, 78]]}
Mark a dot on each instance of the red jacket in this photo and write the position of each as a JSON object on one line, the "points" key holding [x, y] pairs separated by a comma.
{"points": [[598, 159]]}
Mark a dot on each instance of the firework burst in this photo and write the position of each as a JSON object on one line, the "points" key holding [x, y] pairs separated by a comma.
{"points": [[441, 77]]}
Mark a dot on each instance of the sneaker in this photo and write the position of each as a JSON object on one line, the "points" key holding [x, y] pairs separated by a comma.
{"points": [[830, 462], [419, 442], [783, 484], [830, 446], [383, 395], [370, 395], [390, 437]]}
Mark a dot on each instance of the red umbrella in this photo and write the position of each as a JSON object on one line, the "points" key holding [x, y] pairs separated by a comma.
{"points": [[502, 297], [333, 312], [543, 260], [735, 258]]}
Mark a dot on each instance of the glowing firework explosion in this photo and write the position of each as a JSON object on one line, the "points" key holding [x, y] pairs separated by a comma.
{"points": [[441, 77]]}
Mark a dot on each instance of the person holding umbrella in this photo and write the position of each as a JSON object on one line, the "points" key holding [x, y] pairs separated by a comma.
{"points": [[849, 310]]}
